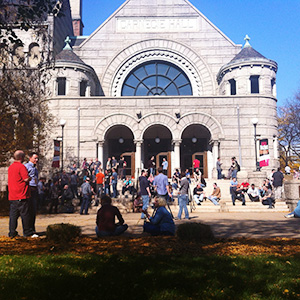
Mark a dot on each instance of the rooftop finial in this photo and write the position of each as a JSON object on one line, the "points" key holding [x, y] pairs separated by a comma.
{"points": [[67, 45], [247, 39]]}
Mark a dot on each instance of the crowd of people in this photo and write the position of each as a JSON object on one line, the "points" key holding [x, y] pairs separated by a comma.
{"points": [[29, 193]]}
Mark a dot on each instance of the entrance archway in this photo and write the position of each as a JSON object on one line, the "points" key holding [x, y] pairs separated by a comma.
{"points": [[157, 143], [119, 142], [195, 144]]}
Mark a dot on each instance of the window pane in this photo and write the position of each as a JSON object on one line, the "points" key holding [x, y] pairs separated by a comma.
{"points": [[150, 82], [172, 90], [156, 78], [83, 86], [254, 84], [61, 86], [162, 69], [151, 69], [180, 80], [127, 91], [141, 90], [140, 73], [185, 90]]}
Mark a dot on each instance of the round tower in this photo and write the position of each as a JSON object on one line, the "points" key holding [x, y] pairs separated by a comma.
{"points": [[248, 73]]}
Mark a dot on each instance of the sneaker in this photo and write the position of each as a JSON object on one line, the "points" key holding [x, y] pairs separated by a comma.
{"points": [[289, 216], [35, 236]]}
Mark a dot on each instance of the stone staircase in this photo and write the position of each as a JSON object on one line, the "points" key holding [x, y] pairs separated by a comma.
{"points": [[226, 202], [124, 203]]}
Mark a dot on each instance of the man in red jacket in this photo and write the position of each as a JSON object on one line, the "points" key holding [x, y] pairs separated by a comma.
{"points": [[19, 196]]}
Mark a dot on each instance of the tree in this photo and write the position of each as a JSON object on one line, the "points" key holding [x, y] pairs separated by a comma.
{"points": [[289, 131], [24, 117], [24, 15]]}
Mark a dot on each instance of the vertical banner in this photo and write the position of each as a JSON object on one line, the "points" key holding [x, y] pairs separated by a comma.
{"points": [[56, 157], [264, 155]]}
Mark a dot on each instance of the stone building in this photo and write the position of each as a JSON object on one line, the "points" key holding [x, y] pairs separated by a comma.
{"points": [[157, 78]]}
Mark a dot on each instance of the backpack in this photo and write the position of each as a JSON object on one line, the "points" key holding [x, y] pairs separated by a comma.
{"points": [[238, 167]]}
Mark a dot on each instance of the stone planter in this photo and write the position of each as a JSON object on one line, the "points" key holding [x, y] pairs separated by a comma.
{"points": [[292, 193]]}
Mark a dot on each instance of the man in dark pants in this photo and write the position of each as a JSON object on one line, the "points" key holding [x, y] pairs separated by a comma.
{"points": [[33, 183], [19, 196], [86, 190]]}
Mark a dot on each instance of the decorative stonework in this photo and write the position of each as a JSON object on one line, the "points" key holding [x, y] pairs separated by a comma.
{"points": [[195, 68]]}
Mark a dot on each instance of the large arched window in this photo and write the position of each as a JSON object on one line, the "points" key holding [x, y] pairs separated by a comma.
{"points": [[156, 78]]}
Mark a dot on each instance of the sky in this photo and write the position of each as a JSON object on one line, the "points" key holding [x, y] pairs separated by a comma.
{"points": [[273, 26]]}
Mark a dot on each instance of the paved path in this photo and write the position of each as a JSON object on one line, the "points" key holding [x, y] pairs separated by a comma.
{"points": [[254, 225]]}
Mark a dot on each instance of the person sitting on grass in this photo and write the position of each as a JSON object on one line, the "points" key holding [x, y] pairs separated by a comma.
{"points": [[295, 213], [161, 223], [105, 221]]}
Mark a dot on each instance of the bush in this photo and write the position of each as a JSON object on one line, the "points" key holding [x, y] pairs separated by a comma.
{"points": [[194, 232], [62, 232]]}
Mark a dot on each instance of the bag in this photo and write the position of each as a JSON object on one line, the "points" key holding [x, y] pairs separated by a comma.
{"points": [[238, 167]]}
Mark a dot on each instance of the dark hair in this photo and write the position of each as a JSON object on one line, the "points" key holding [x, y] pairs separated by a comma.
{"points": [[105, 199], [160, 169], [182, 174], [31, 154]]}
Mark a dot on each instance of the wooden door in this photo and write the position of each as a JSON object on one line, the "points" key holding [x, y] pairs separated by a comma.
{"points": [[129, 157], [159, 160], [202, 157]]}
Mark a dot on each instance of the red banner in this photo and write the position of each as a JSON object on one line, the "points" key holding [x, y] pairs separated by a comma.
{"points": [[56, 157], [264, 155]]}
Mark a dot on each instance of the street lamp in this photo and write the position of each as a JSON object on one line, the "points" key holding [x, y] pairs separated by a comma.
{"points": [[255, 122], [62, 123]]}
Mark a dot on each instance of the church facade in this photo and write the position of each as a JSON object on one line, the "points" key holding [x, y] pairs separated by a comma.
{"points": [[157, 78]]}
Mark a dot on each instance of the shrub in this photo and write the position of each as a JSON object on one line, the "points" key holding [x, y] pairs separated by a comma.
{"points": [[62, 232], [194, 232]]}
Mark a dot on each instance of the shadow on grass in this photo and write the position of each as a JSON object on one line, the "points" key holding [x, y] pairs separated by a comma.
{"points": [[156, 277]]}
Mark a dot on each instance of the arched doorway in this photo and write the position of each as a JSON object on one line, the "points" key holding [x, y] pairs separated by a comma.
{"points": [[157, 143], [195, 144], [119, 142]]}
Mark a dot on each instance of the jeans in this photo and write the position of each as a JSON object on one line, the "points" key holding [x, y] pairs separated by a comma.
{"points": [[33, 205], [219, 174], [85, 204], [145, 199], [234, 173], [198, 198], [17, 209], [213, 199], [107, 189], [115, 193], [154, 230], [118, 231], [74, 190], [183, 201]]}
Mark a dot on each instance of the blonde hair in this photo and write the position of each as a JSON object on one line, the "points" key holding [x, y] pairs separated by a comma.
{"points": [[161, 201]]}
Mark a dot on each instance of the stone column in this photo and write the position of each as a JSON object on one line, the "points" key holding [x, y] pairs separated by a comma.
{"points": [[176, 154], [138, 157], [215, 152], [100, 153]]}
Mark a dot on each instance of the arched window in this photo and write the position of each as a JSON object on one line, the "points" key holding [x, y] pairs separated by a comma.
{"points": [[156, 78]]}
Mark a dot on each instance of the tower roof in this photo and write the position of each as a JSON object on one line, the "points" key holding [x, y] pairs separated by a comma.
{"points": [[247, 53], [68, 56]]}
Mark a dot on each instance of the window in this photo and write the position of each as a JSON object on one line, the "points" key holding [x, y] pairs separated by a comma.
{"points": [[232, 83], [83, 87], [156, 78], [273, 85], [254, 84], [61, 86]]}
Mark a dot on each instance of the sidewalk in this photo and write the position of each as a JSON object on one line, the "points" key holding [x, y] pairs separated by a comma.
{"points": [[233, 224]]}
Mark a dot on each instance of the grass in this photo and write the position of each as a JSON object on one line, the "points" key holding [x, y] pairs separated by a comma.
{"points": [[91, 276]]}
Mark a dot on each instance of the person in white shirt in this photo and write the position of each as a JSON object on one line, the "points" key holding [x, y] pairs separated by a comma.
{"points": [[253, 193]]}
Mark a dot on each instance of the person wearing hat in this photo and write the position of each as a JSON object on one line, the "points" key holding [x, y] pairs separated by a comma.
{"points": [[87, 191]]}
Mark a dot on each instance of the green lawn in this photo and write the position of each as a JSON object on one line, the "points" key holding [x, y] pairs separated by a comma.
{"points": [[74, 276]]}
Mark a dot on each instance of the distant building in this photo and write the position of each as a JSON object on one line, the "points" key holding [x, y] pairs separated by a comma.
{"points": [[157, 78]]}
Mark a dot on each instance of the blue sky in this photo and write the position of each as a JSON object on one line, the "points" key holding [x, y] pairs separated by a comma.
{"points": [[273, 26]]}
